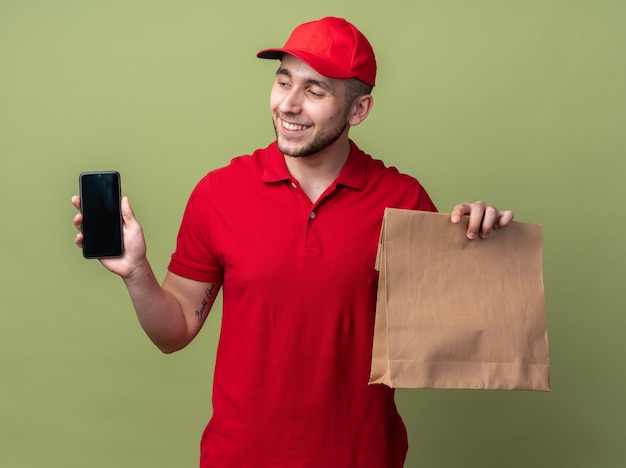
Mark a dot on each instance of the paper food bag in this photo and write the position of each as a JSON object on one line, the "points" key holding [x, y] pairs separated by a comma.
{"points": [[459, 313]]}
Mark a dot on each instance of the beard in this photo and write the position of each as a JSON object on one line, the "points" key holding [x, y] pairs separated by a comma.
{"points": [[319, 142]]}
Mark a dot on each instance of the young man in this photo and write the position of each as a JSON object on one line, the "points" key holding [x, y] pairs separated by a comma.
{"points": [[289, 233]]}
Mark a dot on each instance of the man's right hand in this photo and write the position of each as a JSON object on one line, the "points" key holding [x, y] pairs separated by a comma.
{"points": [[134, 255]]}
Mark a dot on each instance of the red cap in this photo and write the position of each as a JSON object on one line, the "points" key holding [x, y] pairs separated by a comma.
{"points": [[332, 47]]}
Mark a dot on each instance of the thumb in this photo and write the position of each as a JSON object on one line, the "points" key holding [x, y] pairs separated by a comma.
{"points": [[127, 212]]}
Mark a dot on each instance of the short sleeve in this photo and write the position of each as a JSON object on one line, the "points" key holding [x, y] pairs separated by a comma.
{"points": [[194, 257]]}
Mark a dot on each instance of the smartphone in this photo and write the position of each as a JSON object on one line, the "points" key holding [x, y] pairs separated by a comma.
{"points": [[100, 204]]}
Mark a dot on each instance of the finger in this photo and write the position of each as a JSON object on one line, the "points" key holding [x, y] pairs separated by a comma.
{"points": [[78, 240], [128, 216], [78, 221], [76, 202], [504, 218], [127, 211], [474, 224], [459, 211], [490, 217]]}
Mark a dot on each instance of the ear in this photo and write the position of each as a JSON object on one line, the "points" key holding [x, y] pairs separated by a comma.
{"points": [[360, 109]]}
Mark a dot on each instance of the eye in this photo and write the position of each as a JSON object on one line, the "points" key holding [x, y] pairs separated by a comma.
{"points": [[316, 93], [282, 83]]}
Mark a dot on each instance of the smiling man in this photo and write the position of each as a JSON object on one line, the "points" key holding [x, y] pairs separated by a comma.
{"points": [[312, 117], [311, 112], [289, 233]]}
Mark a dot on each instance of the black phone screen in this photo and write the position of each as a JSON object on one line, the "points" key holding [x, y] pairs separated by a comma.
{"points": [[100, 204]]}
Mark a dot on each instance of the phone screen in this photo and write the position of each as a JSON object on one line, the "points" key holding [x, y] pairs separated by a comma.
{"points": [[100, 204]]}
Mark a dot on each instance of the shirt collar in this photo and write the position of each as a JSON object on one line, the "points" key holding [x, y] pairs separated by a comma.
{"points": [[274, 166], [352, 175]]}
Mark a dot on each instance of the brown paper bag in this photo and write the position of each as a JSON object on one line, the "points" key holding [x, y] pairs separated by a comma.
{"points": [[456, 313]]}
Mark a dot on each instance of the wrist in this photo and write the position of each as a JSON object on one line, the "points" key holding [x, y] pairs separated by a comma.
{"points": [[138, 273]]}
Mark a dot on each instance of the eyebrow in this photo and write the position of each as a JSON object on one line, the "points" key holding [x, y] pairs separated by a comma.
{"points": [[312, 81]]}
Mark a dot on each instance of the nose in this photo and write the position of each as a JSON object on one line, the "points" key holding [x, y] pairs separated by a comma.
{"points": [[291, 102]]}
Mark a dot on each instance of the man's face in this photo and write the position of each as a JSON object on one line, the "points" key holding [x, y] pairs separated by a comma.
{"points": [[309, 110]]}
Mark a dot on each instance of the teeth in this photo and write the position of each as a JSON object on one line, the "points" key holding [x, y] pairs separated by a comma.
{"points": [[293, 127]]}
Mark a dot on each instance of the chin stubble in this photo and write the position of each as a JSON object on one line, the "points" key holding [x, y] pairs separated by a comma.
{"points": [[319, 143]]}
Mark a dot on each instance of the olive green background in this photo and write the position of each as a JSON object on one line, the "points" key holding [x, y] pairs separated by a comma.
{"points": [[521, 103]]}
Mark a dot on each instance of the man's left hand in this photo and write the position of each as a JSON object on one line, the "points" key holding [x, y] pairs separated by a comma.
{"points": [[483, 218]]}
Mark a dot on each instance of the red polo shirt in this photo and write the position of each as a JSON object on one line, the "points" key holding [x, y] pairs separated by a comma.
{"points": [[299, 295]]}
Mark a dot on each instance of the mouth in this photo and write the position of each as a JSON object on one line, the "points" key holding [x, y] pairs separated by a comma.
{"points": [[292, 127]]}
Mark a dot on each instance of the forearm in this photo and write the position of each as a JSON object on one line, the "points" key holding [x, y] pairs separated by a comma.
{"points": [[158, 310], [171, 314]]}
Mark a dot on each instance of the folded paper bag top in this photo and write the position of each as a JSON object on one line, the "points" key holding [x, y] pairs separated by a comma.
{"points": [[456, 313]]}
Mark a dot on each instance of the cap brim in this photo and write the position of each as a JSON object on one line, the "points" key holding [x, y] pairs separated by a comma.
{"points": [[316, 63], [274, 54]]}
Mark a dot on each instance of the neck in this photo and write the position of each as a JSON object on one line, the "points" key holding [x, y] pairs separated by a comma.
{"points": [[315, 173]]}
